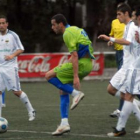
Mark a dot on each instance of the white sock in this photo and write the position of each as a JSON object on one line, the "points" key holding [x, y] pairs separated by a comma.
{"points": [[118, 94], [125, 112], [25, 100], [64, 121], [137, 102], [0, 105], [136, 110], [75, 92]]}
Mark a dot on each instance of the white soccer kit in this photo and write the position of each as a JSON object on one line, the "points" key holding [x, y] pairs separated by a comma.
{"points": [[9, 43], [133, 74], [129, 57]]}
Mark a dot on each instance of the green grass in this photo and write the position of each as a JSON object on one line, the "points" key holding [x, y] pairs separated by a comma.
{"points": [[89, 121]]}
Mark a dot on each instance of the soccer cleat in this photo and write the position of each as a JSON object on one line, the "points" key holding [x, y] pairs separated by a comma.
{"points": [[117, 133], [137, 131], [32, 115], [61, 130], [76, 100], [115, 114]]}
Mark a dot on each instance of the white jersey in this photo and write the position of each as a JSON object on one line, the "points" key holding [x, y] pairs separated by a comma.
{"points": [[129, 50], [9, 43], [136, 64]]}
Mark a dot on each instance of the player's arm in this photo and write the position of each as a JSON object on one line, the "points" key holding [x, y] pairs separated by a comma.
{"points": [[74, 61], [110, 43], [70, 41], [119, 41], [16, 53], [137, 36]]}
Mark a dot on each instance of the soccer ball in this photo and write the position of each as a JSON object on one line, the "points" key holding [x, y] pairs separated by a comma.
{"points": [[3, 125]]}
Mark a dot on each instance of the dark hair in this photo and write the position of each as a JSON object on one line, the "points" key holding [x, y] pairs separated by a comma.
{"points": [[3, 16], [125, 8], [138, 12], [60, 18], [137, 9]]}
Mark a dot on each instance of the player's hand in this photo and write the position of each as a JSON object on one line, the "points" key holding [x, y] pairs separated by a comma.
{"points": [[76, 83], [104, 37], [8, 57], [110, 43]]}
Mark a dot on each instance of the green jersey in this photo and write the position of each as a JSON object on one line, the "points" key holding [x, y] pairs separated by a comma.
{"points": [[76, 39]]}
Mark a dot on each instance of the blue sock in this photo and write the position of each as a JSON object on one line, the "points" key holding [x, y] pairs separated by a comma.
{"points": [[121, 104], [64, 105], [3, 97], [64, 87]]}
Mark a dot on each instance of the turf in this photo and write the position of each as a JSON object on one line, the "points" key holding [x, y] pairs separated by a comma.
{"points": [[89, 121]]}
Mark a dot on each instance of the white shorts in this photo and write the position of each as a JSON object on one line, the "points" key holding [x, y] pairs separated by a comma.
{"points": [[119, 79], [133, 81], [9, 79]]}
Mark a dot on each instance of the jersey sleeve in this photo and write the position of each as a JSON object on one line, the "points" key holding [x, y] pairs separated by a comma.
{"points": [[131, 33], [111, 32], [18, 43], [70, 41]]}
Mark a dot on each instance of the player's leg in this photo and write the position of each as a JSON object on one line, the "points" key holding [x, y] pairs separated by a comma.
{"points": [[64, 109], [125, 113], [113, 91], [119, 61], [136, 112], [14, 85], [116, 83], [2, 88], [24, 99], [0, 103], [64, 75], [3, 99]]}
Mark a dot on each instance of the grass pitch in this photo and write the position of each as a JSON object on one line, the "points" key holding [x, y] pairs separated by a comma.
{"points": [[89, 121]]}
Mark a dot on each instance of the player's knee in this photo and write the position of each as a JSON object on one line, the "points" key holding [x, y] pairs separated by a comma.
{"points": [[47, 76], [17, 93], [129, 97], [111, 90]]}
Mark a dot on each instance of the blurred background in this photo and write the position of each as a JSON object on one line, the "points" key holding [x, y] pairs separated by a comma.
{"points": [[30, 19]]}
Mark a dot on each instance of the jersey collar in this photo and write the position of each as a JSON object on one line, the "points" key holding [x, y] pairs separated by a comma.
{"points": [[5, 33], [67, 26]]}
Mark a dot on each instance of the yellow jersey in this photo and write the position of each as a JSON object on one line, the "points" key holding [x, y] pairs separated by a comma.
{"points": [[117, 30]]}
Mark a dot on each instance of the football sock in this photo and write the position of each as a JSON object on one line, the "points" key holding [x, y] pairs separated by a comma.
{"points": [[118, 94], [126, 111], [64, 87], [3, 97], [121, 104], [25, 100], [136, 110], [0, 105], [75, 92], [64, 105], [64, 121], [136, 102]]}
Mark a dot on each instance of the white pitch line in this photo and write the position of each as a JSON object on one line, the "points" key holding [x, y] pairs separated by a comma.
{"points": [[72, 134]]}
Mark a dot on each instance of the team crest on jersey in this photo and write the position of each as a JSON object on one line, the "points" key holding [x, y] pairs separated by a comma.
{"points": [[6, 41]]}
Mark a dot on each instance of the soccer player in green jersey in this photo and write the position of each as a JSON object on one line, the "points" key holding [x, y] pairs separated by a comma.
{"points": [[67, 76]]}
